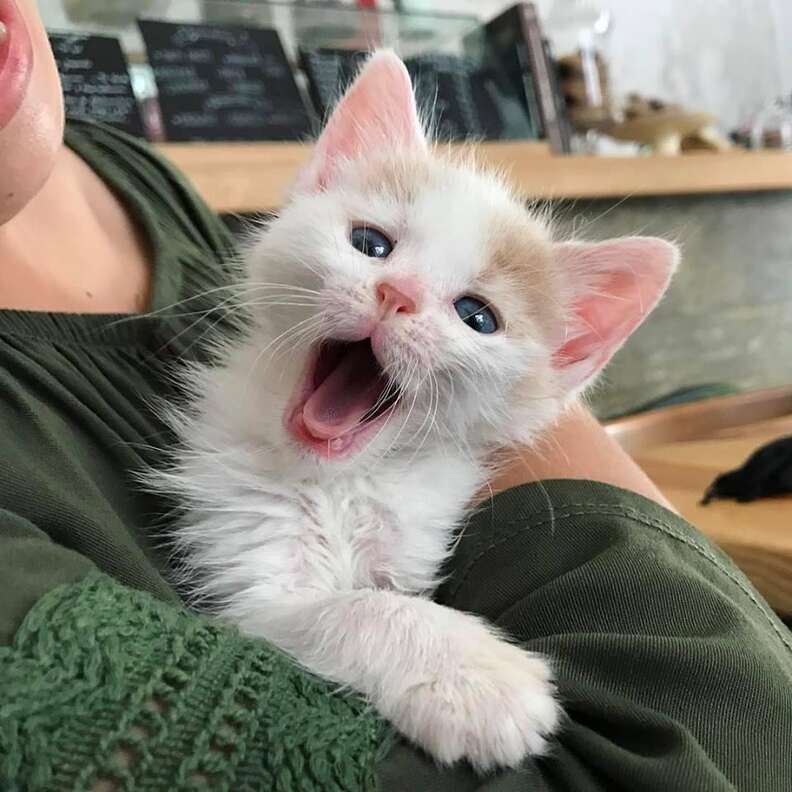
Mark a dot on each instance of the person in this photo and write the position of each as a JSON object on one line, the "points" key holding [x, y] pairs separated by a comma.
{"points": [[673, 672]]}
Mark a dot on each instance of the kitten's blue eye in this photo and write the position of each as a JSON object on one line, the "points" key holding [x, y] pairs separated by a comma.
{"points": [[475, 314], [370, 242]]}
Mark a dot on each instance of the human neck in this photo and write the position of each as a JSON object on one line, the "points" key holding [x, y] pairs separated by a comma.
{"points": [[73, 248]]}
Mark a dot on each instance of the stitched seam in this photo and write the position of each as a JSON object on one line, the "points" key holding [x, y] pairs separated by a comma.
{"points": [[609, 509], [590, 508]]}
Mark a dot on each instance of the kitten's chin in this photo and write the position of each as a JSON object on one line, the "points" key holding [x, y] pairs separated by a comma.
{"points": [[342, 402]]}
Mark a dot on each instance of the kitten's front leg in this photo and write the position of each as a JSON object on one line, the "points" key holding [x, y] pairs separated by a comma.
{"points": [[442, 677]]}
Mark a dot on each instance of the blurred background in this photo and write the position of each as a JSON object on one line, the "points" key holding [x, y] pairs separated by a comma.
{"points": [[726, 56], [730, 57]]}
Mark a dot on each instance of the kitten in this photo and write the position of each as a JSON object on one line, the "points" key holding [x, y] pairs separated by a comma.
{"points": [[408, 318]]}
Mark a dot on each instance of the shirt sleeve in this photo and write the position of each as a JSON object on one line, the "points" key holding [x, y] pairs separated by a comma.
{"points": [[103, 686], [672, 670]]}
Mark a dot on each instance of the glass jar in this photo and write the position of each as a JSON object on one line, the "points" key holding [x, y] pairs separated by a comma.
{"points": [[772, 126], [580, 31]]}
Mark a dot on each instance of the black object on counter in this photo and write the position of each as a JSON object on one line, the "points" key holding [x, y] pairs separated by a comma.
{"points": [[766, 474], [95, 79], [224, 83]]}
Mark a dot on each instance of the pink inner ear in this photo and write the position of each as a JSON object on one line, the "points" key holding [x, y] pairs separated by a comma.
{"points": [[377, 115], [622, 281]]}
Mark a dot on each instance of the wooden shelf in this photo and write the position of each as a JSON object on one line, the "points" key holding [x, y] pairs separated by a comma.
{"points": [[249, 177]]}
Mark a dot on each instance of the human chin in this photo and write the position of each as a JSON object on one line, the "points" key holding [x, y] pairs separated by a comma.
{"points": [[31, 107]]}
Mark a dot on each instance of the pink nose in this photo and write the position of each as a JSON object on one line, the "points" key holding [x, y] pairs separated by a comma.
{"points": [[398, 295]]}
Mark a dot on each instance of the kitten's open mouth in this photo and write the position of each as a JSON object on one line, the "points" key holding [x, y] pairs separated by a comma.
{"points": [[344, 397]]}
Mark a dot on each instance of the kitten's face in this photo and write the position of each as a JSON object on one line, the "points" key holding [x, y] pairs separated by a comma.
{"points": [[401, 299], [431, 304]]}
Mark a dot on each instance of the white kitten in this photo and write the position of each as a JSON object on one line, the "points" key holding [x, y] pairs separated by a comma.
{"points": [[408, 317]]}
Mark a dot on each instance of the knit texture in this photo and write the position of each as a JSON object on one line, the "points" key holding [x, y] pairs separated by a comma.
{"points": [[106, 687]]}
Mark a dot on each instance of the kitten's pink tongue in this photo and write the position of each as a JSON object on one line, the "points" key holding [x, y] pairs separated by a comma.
{"points": [[343, 398]]}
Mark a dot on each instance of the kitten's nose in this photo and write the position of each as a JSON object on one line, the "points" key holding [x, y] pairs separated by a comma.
{"points": [[398, 295]]}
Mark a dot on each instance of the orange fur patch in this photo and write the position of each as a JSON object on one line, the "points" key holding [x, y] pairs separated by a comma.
{"points": [[519, 277]]}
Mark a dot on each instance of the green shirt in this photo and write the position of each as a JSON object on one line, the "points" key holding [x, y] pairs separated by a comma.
{"points": [[673, 672]]}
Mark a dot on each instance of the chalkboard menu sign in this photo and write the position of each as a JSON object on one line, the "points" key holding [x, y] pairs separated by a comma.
{"points": [[95, 80], [452, 89], [329, 73], [443, 85], [224, 83]]}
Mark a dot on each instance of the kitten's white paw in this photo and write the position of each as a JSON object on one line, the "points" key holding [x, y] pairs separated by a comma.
{"points": [[493, 707]]}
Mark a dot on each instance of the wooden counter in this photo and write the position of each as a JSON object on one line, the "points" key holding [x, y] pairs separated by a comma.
{"points": [[249, 177]]}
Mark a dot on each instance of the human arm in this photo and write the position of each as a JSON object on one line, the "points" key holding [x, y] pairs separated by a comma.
{"points": [[577, 447]]}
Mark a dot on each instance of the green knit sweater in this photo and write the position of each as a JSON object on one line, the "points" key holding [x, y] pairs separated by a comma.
{"points": [[673, 672], [106, 684]]}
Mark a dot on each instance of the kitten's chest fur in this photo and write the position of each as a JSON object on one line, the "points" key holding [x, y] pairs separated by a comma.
{"points": [[389, 526], [352, 536]]}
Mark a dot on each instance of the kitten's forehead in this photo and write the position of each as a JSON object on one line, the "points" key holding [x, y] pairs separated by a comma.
{"points": [[436, 196]]}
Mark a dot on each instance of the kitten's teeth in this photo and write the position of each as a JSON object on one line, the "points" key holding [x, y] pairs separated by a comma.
{"points": [[3, 32]]}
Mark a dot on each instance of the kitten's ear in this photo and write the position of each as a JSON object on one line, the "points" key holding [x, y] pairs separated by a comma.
{"points": [[617, 284], [376, 115]]}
